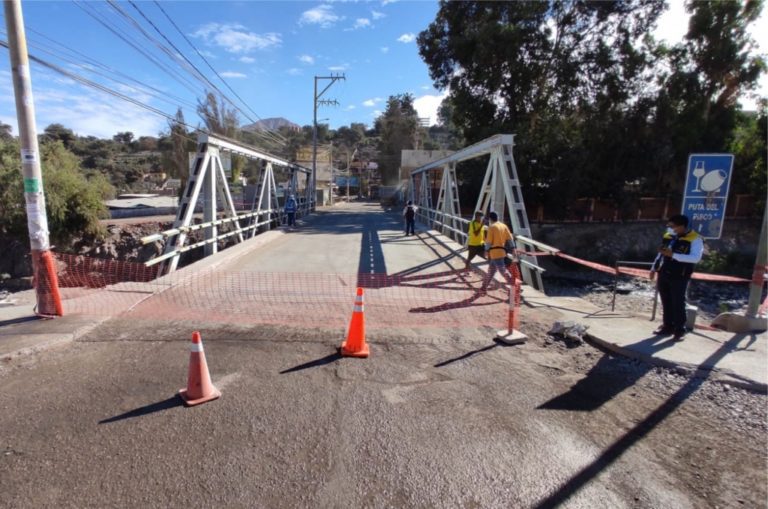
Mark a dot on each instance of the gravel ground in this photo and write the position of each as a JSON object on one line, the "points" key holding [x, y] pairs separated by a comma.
{"points": [[636, 296]]}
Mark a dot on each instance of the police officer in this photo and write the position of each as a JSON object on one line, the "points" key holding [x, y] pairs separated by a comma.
{"points": [[681, 248]]}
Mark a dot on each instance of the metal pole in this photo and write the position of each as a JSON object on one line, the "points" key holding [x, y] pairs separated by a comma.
{"points": [[615, 284], [655, 300], [314, 150], [46, 281], [761, 260], [349, 175]]}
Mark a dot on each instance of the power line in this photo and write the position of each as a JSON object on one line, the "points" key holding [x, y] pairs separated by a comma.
{"points": [[211, 67], [94, 68], [186, 63], [125, 38]]}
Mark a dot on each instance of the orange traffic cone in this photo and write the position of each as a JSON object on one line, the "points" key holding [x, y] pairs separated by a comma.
{"points": [[355, 345], [199, 387]]}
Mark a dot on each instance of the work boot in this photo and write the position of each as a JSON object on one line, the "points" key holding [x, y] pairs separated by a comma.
{"points": [[664, 330]]}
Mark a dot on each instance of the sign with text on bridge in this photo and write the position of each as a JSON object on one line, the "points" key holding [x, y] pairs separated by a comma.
{"points": [[706, 192]]}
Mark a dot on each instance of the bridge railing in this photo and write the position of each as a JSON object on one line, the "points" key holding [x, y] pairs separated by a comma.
{"points": [[430, 217], [165, 235]]}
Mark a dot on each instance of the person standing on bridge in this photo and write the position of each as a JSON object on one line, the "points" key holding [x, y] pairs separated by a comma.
{"points": [[497, 241], [681, 249], [409, 215], [290, 211], [475, 239]]}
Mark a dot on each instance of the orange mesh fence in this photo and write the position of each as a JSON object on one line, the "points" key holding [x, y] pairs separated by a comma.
{"points": [[441, 300]]}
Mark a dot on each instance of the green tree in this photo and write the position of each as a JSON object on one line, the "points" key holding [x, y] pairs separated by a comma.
{"points": [[57, 132], [397, 128], [220, 119], [545, 71], [6, 131], [74, 203], [714, 65]]}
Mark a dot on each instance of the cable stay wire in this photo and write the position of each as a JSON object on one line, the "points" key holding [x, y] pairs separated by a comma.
{"points": [[177, 55], [200, 54]]}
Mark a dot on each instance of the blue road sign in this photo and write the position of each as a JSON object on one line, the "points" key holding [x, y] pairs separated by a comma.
{"points": [[706, 192]]}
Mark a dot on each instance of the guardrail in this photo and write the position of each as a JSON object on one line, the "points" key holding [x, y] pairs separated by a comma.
{"points": [[430, 218], [186, 229]]}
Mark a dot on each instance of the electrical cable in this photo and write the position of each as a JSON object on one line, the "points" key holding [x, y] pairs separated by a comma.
{"points": [[186, 63], [284, 139], [125, 38]]}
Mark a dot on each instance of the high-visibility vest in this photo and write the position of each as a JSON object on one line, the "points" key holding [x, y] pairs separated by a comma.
{"points": [[476, 233]]}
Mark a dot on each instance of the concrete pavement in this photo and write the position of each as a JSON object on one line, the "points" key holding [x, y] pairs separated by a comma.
{"points": [[738, 359]]}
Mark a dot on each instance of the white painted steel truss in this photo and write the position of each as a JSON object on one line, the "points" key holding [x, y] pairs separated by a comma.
{"points": [[207, 175], [500, 192]]}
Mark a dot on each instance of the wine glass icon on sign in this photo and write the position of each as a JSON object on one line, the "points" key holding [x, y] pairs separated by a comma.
{"points": [[698, 172]]}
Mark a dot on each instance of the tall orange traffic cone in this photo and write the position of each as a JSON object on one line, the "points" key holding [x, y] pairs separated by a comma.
{"points": [[199, 387], [355, 345]]}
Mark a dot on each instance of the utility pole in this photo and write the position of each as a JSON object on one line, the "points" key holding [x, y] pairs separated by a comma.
{"points": [[43, 265], [333, 78], [349, 170]]}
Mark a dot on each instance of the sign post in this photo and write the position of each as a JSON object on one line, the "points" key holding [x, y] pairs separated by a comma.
{"points": [[706, 192]]}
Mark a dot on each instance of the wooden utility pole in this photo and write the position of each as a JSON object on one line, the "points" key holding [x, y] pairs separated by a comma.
{"points": [[46, 281]]}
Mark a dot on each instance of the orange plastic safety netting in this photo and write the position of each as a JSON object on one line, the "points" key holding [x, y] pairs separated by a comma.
{"points": [[440, 299]]}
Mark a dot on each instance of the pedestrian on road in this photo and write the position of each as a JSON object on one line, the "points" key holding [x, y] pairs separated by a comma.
{"points": [[409, 215], [290, 210], [681, 249], [475, 239], [497, 242]]}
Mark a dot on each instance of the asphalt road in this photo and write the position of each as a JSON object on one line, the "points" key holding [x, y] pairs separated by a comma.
{"points": [[438, 416]]}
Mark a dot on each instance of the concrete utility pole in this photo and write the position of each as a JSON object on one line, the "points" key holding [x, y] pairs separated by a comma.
{"points": [[46, 281], [761, 265], [324, 102], [751, 321]]}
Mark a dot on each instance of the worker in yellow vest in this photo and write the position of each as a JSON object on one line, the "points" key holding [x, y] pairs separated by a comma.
{"points": [[475, 239]]}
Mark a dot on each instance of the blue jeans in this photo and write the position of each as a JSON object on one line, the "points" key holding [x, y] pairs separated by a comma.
{"points": [[494, 266], [291, 218]]}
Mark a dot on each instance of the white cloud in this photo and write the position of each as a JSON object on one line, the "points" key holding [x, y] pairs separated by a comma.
{"points": [[375, 113], [338, 68], [233, 74], [306, 59], [426, 87], [321, 15], [372, 102], [377, 15], [385, 49], [350, 107], [235, 39], [427, 106], [673, 25], [247, 60], [293, 71], [406, 38], [361, 23], [207, 54], [385, 2]]}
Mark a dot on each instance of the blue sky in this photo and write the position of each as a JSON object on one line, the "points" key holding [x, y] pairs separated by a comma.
{"points": [[267, 51]]}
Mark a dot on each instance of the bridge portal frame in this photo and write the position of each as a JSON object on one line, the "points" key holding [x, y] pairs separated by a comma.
{"points": [[207, 177], [500, 192]]}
